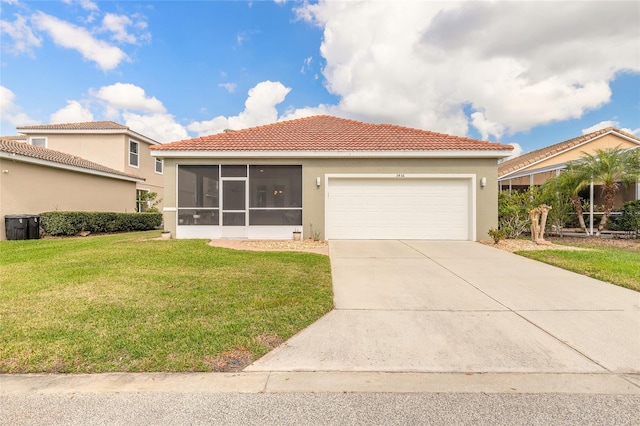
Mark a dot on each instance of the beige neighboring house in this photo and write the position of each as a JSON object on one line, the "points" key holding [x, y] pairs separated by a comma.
{"points": [[107, 143], [536, 167], [34, 179], [341, 179]]}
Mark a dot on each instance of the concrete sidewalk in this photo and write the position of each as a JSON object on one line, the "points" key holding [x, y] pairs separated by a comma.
{"points": [[313, 382], [462, 307]]}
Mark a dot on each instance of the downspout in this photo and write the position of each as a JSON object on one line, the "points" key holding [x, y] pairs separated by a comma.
{"points": [[591, 208]]}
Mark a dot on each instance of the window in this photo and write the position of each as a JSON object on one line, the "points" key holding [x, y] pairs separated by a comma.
{"points": [[39, 141], [159, 166], [275, 195], [142, 200], [133, 153], [198, 195]]}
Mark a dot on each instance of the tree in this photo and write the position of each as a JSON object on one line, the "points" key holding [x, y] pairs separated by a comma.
{"points": [[557, 191], [609, 168]]}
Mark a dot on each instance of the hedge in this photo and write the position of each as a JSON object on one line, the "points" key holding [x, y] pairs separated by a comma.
{"points": [[71, 223]]}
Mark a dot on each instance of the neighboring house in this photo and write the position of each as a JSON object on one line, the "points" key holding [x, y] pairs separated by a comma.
{"points": [[35, 179], [341, 179], [104, 142], [536, 167]]}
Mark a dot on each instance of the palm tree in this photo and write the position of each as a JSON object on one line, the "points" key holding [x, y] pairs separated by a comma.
{"points": [[566, 184], [609, 168]]}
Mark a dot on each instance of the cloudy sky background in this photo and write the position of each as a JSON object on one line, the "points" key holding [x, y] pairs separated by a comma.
{"points": [[529, 73]]}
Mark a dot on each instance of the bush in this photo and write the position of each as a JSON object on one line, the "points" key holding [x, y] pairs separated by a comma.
{"points": [[71, 223], [513, 210], [629, 221]]}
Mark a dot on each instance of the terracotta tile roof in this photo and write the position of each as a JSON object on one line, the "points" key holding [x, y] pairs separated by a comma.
{"points": [[325, 133], [22, 138], [89, 125], [524, 160], [39, 153]]}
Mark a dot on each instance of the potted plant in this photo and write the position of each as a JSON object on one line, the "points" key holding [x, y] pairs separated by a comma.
{"points": [[297, 234]]}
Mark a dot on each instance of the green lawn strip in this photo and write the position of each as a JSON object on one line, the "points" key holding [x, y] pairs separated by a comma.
{"points": [[130, 303], [615, 265]]}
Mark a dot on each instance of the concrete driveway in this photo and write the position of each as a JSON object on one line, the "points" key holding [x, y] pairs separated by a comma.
{"points": [[435, 306]]}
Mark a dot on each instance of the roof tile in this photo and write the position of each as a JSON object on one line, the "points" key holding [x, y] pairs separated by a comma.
{"points": [[326, 133], [89, 125], [28, 150]]}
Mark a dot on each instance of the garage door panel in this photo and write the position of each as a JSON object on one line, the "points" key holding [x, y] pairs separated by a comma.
{"points": [[398, 208]]}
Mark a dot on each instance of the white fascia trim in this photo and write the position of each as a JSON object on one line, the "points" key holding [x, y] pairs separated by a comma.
{"points": [[55, 165], [331, 154], [129, 133]]}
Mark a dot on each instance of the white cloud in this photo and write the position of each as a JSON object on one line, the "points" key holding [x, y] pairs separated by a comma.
{"points": [[10, 113], [446, 65], [632, 131], [24, 40], [85, 4], [118, 25], [260, 108], [161, 127], [126, 96], [600, 125], [517, 150], [70, 36], [73, 112], [229, 87], [306, 64]]}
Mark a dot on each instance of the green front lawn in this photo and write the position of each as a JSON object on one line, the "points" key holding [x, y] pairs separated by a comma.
{"points": [[617, 265], [128, 302]]}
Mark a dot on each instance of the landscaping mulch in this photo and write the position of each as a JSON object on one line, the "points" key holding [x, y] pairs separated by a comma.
{"points": [[306, 246]]}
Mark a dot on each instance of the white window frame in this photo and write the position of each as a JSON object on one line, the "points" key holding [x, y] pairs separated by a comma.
{"points": [[46, 141], [137, 154], [161, 162]]}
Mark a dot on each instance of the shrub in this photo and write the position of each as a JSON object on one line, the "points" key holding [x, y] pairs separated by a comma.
{"points": [[629, 221], [513, 210], [496, 234], [71, 223]]}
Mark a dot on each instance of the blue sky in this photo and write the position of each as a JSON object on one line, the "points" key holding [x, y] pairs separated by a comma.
{"points": [[529, 73]]}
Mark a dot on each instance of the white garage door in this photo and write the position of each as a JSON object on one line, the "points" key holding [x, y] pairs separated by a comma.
{"points": [[399, 208]]}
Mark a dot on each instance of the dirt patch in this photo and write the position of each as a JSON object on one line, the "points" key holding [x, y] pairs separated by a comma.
{"points": [[527, 245], [307, 246], [270, 341], [231, 361], [558, 243]]}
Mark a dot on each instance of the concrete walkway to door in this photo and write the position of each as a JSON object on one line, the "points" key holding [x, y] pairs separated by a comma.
{"points": [[462, 307]]}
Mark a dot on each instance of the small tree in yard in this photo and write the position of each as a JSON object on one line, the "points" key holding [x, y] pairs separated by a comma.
{"points": [[561, 193], [513, 210], [146, 202], [609, 168]]}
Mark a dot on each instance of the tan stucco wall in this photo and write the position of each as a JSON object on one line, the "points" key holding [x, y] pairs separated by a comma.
{"points": [[33, 189], [111, 150], [314, 197], [605, 142]]}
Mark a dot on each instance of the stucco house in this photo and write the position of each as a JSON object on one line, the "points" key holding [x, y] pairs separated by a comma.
{"points": [[107, 143], [34, 179], [340, 179], [536, 167]]}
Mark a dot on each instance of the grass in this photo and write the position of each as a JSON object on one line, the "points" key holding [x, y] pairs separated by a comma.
{"points": [[617, 265], [128, 302]]}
